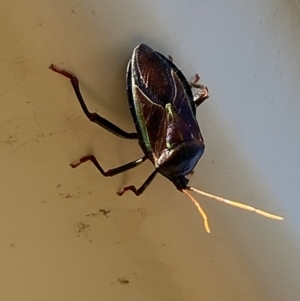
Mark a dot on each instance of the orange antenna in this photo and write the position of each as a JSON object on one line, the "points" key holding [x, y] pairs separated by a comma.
{"points": [[206, 225], [226, 201]]}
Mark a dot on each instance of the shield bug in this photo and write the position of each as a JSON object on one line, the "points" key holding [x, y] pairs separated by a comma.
{"points": [[163, 109]]}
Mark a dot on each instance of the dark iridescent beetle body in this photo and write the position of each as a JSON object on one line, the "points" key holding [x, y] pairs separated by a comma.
{"points": [[164, 112], [163, 109]]}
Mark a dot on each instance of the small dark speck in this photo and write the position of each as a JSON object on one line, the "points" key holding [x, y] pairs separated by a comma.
{"points": [[69, 196], [105, 212], [255, 76], [58, 185], [81, 226], [28, 102], [43, 201], [73, 11], [12, 245], [123, 280], [93, 12], [82, 229], [40, 24], [91, 214]]}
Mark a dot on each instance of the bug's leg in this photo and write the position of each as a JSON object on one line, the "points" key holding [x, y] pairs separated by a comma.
{"points": [[195, 81], [142, 188], [94, 117], [203, 94], [113, 171]]}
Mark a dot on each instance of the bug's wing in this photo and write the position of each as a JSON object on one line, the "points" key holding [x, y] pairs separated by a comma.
{"points": [[150, 124], [185, 116], [149, 88], [152, 74]]}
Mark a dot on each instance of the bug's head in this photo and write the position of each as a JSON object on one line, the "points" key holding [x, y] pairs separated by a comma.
{"points": [[181, 182], [179, 160]]}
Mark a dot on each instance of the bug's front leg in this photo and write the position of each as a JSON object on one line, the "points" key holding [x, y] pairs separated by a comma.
{"points": [[94, 117], [139, 191], [203, 94]]}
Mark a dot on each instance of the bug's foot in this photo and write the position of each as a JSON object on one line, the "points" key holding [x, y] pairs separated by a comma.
{"points": [[82, 160], [195, 81], [127, 188], [63, 72], [74, 165]]}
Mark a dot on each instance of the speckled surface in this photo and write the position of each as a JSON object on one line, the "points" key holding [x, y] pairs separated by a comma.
{"points": [[66, 235]]}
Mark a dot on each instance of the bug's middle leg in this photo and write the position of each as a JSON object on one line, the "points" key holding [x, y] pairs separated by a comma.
{"points": [[113, 171]]}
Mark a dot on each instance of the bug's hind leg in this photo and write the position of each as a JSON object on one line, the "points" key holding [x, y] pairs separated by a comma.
{"points": [[203, 94], [94, 117]]}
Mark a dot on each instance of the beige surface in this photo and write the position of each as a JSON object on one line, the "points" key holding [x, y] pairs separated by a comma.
{"points": [[55, 244]]}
